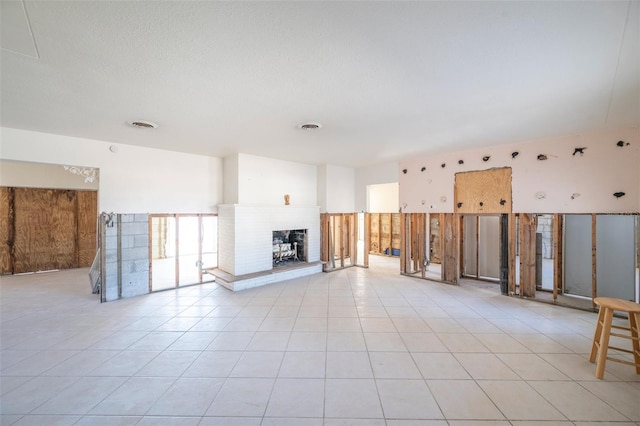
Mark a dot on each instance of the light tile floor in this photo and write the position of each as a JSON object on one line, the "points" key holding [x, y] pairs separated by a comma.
{"points": [[364, 347]]}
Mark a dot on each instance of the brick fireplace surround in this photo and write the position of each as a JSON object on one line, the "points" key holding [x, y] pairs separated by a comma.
{"points": [[245, 243]]}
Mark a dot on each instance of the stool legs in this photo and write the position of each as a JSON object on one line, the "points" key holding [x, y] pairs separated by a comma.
{"points": [[604, 341], [596, 337], [634, 323]]}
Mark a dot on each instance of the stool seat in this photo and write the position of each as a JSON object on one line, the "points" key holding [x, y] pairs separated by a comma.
{"points": [[603, 332]]}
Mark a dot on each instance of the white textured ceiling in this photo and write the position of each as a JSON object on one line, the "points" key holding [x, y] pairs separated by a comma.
{"points": [[387, 80]]}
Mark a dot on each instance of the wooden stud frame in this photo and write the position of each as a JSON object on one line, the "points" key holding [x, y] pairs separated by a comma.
{"points": [[512, 254], [558, 261]]}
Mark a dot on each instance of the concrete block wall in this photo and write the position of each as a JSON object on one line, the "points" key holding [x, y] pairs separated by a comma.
{"points": [[545, 227], [126, 255]]}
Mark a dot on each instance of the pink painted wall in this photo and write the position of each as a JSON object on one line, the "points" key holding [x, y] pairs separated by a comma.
{"points": [[537, 186]]}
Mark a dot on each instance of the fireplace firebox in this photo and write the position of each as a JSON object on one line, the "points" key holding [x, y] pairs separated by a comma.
{"points": [[289, 247]]}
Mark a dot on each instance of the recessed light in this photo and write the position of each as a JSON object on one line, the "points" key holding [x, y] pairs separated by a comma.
{"points": [[310, 126], [144, 124]]}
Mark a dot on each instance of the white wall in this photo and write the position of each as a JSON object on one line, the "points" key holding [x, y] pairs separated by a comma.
{"points": [[383, 198], [265, 181], [338, 191], [603, 170], [322, 188], [230, 183], [38, 175], [365, 176], [132, 180]]}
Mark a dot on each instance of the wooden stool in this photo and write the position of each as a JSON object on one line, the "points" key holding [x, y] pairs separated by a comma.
{"points": [[603, 332]]}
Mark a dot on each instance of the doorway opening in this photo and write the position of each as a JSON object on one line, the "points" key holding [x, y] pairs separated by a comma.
{"points": [[183, 249]]}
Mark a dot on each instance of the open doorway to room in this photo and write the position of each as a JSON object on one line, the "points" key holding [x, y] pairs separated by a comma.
{"points": [[339, 240], [183, 248], [600, 256], [433, 263], [480, 247], [384, 223]]}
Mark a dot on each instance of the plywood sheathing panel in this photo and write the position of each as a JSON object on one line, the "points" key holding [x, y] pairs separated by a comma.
{"points": [[6, 223], [483, 191], [87, 214], [46, 220], [527, 255]]}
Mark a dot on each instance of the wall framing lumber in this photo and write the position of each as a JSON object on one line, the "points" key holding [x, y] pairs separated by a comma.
{"points": [[449, 240], [527, 255], [512, 255], [405, 235], [558, 261], [367, 239]]}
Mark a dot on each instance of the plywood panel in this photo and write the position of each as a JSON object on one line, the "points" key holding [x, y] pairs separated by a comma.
{"points": [[45, 223], [6, 223], [87, 219], [483, 191]]}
